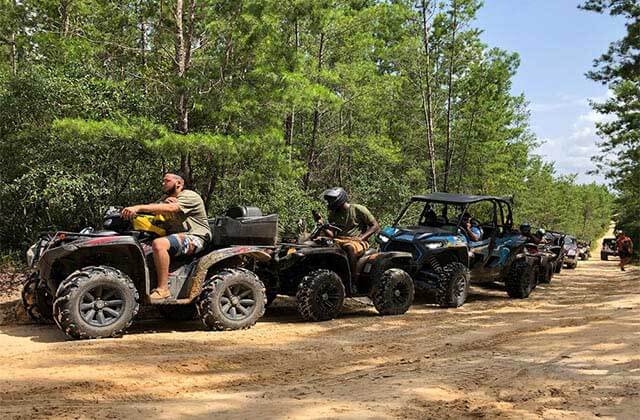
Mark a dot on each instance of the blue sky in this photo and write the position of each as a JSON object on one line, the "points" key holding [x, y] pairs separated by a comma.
{"points": [[557, 44]]}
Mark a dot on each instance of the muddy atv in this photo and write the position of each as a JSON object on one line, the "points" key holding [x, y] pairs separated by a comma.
{"points": [[92, 283], [446, 260], [320, 275]]}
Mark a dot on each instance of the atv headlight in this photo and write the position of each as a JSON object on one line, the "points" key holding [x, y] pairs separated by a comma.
{"points": [[383, 239], [434, 245]]}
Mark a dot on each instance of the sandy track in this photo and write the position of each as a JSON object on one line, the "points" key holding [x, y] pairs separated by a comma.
{"points": [[572, 350]]}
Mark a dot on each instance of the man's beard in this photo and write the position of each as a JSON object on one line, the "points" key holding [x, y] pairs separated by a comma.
{"points": [[172, 190]]}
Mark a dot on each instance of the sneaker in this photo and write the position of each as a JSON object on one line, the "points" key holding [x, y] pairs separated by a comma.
{"points": [[160, 294]]}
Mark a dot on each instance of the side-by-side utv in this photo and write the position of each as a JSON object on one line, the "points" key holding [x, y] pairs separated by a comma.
{"points": [[91, 283], [447, 260]]}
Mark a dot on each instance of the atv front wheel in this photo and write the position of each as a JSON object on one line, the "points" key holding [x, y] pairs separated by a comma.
{"points": [[604, 257], [95, 302], [453, 286], [393, 293], [37, 301], [521, 280], [320, 295], [232, 299], [178, 312]]}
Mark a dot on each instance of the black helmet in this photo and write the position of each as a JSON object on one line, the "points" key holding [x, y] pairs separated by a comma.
{"points": [[525, 228], [541, 232], [336, 197]]}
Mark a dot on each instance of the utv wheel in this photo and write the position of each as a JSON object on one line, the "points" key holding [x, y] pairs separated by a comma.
{"points": [[320, 295], [95, 302], [232, 299], [520, 280], [604, 257], [37, 301], [453, 287], [393, 293], [178, 312]]}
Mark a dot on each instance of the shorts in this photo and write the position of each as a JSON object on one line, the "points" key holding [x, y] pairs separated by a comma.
{"points": [[184, 244], [623, 254], [355, 245]]}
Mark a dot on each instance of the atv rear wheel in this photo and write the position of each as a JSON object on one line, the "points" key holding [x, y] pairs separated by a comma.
{"points": [[453, 286], [95, 302], [393, 292], [37, 301], [547, 274], [558, 266], [178, 312], [521, 280], [232, 299], [320, 295]]}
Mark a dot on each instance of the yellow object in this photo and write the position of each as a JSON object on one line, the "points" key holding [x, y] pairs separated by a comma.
{"points": [[149, 223]]}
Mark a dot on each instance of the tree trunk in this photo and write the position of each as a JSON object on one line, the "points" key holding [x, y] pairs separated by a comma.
{"points": [[182, 61], [316, 123], [450, 144], [63, 9], [426, 100]]}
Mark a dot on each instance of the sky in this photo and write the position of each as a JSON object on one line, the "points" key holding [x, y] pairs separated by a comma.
{"points": [[557, 44]]}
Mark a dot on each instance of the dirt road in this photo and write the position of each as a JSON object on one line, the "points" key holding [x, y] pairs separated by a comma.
{"points": [[570, 351]]}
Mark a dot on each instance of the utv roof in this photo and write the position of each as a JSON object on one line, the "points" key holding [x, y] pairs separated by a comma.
{"points": [[439, 197]]}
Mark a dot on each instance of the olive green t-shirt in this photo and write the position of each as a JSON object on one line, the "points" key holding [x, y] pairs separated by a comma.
{"points": [[353, 221], [192, 218]]}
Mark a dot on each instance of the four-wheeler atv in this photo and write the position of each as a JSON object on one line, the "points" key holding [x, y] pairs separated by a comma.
{"points": [[584, 250], [92, 282], [429, 227], [554, 242], [609, 248], [320, 275], [571, 248]]}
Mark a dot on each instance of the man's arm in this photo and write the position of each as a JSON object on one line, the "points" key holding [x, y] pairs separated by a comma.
{"points": [[373, 229], [153, 208]]}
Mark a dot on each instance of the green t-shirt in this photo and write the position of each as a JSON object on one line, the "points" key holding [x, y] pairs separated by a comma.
{"points": [[192, 217], [353, 221]]}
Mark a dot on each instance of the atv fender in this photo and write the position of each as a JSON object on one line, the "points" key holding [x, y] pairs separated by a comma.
{"points": [[120, 252], [214, 258]]}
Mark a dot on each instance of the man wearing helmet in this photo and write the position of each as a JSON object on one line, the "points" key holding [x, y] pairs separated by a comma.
{"points": [[525, 229], [355, 221]]}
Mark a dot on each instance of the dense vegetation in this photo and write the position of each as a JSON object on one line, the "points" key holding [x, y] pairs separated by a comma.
{"points": [[619, 69], [263, 102]]}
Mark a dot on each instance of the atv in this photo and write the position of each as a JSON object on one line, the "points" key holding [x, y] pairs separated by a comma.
{"points": [[320, 275], [91, 283], [584, 250], [447, 261], [554, 242], [571, 248]]}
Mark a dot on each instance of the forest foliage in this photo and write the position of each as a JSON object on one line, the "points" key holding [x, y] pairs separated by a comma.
{"points": [[266, 103]]}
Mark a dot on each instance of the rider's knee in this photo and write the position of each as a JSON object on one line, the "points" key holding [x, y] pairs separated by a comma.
{"points": [[160, 244]]}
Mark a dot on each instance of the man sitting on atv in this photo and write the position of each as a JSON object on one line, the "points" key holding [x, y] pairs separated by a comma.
{"points": [[355, 221], [187, 228]]}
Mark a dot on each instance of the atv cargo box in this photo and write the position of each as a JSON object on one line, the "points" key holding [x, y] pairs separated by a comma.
{"points": [[244, 226]]}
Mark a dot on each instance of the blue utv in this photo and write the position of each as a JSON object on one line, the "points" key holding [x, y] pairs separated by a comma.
{"points": [[436, 228]]}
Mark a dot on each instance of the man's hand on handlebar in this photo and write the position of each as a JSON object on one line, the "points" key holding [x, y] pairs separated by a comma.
{"points": [[129, 213]]}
